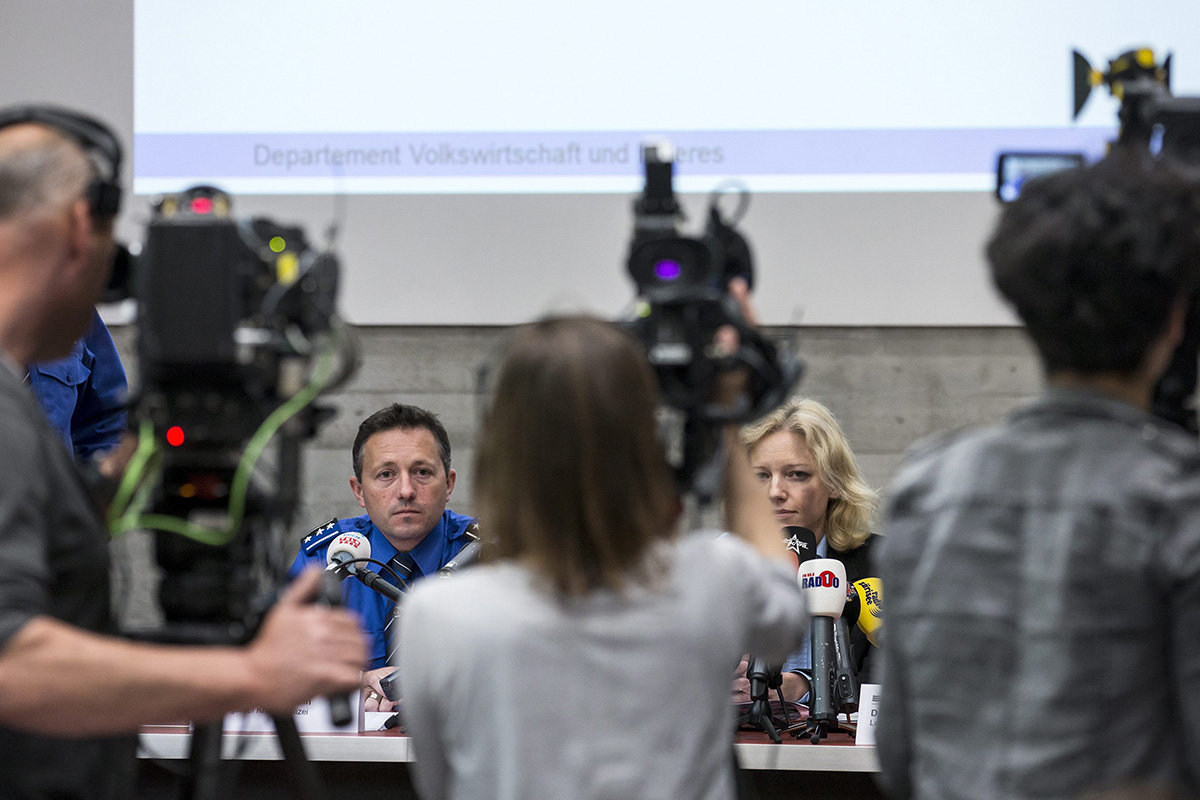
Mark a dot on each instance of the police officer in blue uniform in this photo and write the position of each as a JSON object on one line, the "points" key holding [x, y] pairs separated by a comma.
{"points": [[84, 394], [402, 477]]}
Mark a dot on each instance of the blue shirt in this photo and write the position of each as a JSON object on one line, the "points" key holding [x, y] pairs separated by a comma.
{"points": [[84, 393], [438, 547]]}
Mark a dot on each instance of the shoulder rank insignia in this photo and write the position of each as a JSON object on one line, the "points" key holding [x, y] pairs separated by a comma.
{"points": [[319, 536]]}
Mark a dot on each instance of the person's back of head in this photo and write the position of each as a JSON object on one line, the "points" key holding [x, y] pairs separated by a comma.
{"points": [[570, 475], [40, 168], [55, 251], [1094, 260]]}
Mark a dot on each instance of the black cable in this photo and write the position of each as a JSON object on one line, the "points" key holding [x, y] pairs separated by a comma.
{"points": [[382, 565]]}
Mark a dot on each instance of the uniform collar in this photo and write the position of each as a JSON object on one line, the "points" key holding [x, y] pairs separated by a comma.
{"points": [[427, 554]]}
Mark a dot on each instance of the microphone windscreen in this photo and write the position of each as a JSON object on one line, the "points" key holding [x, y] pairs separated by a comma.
{"points": [[870, 598], [352, 545], [824, 583], [801, 543]]}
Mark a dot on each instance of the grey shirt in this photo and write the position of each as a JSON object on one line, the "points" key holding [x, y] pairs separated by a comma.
{"points": [[1042, 624], [509, 693], [53, 563]]}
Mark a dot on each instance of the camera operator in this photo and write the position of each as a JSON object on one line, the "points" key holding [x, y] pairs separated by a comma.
{"points": [[402, 477], [1043, 575], [70, 693], [803, 460], [594, 655]]}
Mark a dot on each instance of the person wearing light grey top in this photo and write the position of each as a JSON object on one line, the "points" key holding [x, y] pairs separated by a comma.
{"points": [[1043, 574], [512, 693], [592, 659]]}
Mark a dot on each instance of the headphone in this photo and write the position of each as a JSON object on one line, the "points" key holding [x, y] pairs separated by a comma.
{"points": [[97, 140]]}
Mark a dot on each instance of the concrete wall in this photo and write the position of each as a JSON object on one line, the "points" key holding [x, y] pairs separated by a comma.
{"points": [[888, 386]]}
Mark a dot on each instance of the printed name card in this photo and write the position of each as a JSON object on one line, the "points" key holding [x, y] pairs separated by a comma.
{"points": [[868, 713], [311, 717]]}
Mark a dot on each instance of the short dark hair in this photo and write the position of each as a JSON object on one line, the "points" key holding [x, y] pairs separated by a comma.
{"points": [[1093, 259], [570, 473], [398, 416]]}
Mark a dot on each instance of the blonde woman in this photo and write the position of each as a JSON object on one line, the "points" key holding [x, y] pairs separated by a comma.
{"points": [[800, 455]]}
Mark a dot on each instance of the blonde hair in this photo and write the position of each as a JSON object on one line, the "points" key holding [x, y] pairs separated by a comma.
{"points": [[570, 476], [849, 514]]}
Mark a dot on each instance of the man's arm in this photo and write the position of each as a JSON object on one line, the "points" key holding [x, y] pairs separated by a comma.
{"points": [[99, 418], [108, 685]]}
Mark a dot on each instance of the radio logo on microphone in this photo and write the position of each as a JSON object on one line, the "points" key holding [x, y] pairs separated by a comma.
{"points": [[826, 579], [796, 546]]}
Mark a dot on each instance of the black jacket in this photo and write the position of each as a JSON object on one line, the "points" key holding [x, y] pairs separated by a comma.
{"points": [[859, 564]]}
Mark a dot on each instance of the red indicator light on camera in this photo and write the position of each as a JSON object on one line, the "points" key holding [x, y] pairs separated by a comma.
{"points": [[174, 436], [202, 205]]}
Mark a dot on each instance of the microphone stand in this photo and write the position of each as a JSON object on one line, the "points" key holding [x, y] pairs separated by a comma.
{"points": [[763, 678], [373, 581], [834, 683]]}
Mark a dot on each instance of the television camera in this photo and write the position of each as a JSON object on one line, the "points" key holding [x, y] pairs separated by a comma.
{"points": [[237, 337], [683, 287]]}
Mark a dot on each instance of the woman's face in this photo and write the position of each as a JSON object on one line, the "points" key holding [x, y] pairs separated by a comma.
{"points": [[787, 470]]}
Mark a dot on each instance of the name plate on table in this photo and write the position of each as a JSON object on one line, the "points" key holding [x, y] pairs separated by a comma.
{"points": [[311, 717], [868, 713]]}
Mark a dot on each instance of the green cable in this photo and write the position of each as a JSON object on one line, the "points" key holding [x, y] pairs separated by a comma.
{"points": [[132, 481], [132, 518]]}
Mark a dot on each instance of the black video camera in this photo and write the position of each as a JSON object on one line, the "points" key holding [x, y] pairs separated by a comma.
{"points": [[233, 319], [682, 283]]}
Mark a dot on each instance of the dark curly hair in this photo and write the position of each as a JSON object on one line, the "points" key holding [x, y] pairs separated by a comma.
{"points": [[1093, 259]]}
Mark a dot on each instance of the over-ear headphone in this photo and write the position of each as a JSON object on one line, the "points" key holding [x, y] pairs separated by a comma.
{"points": [[97, 140]]}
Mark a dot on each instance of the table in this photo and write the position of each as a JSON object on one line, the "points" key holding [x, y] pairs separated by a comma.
{"points": [[368, 765], [754, 750]]}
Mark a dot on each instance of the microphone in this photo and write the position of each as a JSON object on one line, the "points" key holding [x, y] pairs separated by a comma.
{"points": [[340, 559], [340, 709], [845, 679], [823, 581], [373, 581], [763, 677], [868, 594], [801, 543], [465, 558]]}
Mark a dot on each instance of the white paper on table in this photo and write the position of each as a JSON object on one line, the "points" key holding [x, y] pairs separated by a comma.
{"points": [[868, 713], [310, 717]]}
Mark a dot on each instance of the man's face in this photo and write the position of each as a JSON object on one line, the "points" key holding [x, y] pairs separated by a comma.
{"points": [[86, 246], [404, 486]]}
